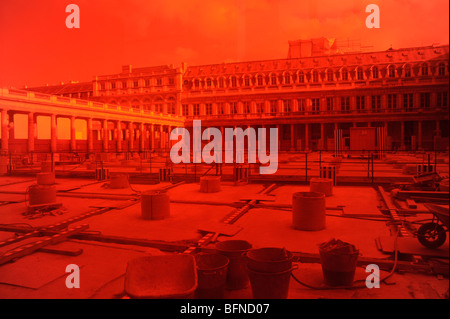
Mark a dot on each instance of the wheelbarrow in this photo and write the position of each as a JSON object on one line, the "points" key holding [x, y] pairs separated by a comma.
{"points": [[433, 234]]}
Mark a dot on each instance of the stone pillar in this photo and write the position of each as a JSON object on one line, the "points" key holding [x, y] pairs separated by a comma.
{"points": [[131, 136], [142, 137], [119, 136], [31, 132], [73, 141], [5, 123], [90, 137], [105, 135], [54, 133], [152, 136]]}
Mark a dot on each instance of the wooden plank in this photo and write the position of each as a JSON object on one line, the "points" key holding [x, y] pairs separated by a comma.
{"points": [[32, 247], [19, 238]]}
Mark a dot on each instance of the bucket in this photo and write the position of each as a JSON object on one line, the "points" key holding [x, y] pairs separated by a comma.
{"points": [[269, 260], [47, 178], [308, 211], [321, 185], [212, 275], [270, 285], [235, 250], [338, 261]]}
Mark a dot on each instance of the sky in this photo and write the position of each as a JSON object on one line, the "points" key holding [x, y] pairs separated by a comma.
{"points": [[36, 47]]}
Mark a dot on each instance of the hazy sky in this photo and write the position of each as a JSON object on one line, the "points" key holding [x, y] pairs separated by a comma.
{"points": [[36, 47]]}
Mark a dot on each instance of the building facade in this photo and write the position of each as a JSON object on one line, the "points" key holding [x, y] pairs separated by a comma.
{"points": [[311, 97]]}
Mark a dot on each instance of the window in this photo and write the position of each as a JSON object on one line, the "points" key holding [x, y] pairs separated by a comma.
{"points": [[233, 82], [185, 109], [345, 104], [209, 109], [376, 103], [136, 84], [147, 83], [360, 74], [441, 69], [247, 81], [260, 107], [287, 106], [196, 109], [360, 103], [407, 71], [425, 100], [273, 79], [408, 102], [135, 105], [113, 85], [301, 105], [424, 69], [260, 80], [158, 107], [159, 82], [273, 106], [247, 109], [287, 78], [124, 85], [315, 76], [375, 73], [171, 81], [220, 108], [330, 75], [329, 104], [208, 83], [301, 77], [344, 75], [233, 108], [441, 99], [315, 103], [221, 83], [196, 83], [392, 101], [102, 86], [391, 71], [171, 109]]}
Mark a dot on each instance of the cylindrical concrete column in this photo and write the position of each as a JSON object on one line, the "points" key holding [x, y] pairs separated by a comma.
{"points": [[90, 137], [105, 135], [130, 136], [119, 136], [152, 136], [142, 137]]}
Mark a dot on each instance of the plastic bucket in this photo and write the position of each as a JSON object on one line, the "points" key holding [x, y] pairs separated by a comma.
{"points": [[269, 260], [212, 275], [235, 251], [338, 267], [270, 285]]}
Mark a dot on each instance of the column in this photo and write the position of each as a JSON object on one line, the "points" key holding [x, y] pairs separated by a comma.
{"points": [[5, 122], [161, 137], [152, 136], [90, 139], [131, 136], [31, 132], [119, 136], [142, 137], [419, 135], [54, 134], [105, 136], [73, 141]]}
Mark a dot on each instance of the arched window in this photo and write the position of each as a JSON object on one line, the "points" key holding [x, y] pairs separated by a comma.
{"points": [[330, 75], [246, 80], [233, 82], [147, 106], [208, 83], [301, 77], [273, 79], [344, 73], [260, 80], [221, 83], [391, 71], [196, 83], [287, 78], [424, 69], [360, 74], [407, 71], [315, 76], [135, 104], [375, 72], [441, 69]]}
